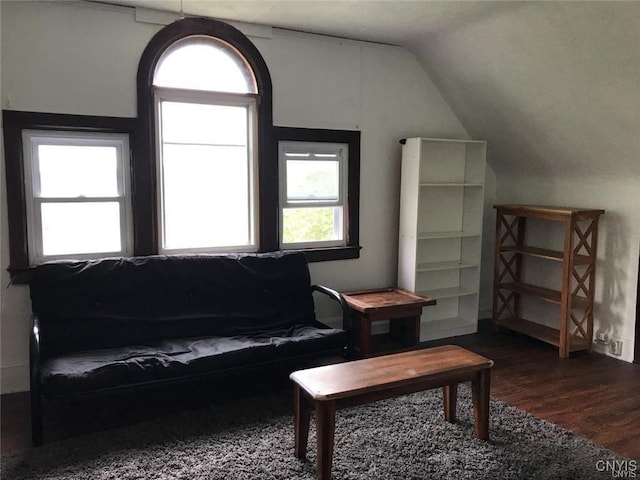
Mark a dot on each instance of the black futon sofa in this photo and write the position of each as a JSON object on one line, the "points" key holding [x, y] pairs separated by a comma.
{"points": [[130, 323]]}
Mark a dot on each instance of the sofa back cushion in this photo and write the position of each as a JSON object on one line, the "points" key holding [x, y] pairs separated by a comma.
{"points": [[113, 302]]}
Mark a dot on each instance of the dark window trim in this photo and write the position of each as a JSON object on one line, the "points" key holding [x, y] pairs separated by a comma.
{"points": [[351, 138], [141, 131], [636, 356], [145, 215], [14, 122]]}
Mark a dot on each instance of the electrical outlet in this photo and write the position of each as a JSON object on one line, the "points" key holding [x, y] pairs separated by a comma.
{"points": [[615, 347]]}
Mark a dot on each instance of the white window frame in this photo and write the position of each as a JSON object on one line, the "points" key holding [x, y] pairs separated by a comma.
{"points": [[315, 151], [248, 101], [31, 140]]}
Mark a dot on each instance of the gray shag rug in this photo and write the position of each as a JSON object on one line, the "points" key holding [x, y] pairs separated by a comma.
{"points": [[403, 438]]}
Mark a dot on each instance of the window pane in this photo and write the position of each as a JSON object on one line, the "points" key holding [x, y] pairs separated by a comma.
{"points": [[203, 124], [204, 63], [312, 224], [206, 196], [72, 171], [76, 228], [312, 180]]}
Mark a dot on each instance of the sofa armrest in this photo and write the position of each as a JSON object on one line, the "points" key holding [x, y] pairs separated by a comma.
{"points": [[334, 295], [346, 311], [34, 350]]}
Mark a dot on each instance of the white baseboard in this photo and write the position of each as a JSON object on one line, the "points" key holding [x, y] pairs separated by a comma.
{"points": [[376, 328], [428, 330], [14, 378], [436, 331]]}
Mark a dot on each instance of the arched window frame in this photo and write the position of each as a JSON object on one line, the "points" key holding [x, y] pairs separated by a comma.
{"points": [[146, 238]]}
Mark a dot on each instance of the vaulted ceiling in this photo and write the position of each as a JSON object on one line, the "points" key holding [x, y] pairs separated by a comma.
{"points": [[553, 86], [395, 22]]}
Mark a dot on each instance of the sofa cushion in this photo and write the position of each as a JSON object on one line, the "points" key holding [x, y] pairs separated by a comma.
{"points": [[115, 367], [115, 302]]}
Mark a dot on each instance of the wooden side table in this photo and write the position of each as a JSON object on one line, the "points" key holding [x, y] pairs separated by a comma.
{"points": [[402, 308]]}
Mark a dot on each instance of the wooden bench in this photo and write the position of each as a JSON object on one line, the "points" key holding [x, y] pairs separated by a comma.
{"points": [[332, 387]]}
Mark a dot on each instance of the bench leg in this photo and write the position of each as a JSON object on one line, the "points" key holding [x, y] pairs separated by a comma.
{"points": [[480, 387], [450, 396], [325, 425], [302, 415]]}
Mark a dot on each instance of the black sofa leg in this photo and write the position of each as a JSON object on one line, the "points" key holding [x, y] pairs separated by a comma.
{"points": [[36, 420]]}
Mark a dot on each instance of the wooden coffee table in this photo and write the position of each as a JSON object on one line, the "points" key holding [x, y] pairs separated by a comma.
{"points": [[332, 387]]}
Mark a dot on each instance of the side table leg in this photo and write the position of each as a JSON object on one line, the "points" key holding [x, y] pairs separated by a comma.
{"points": [[480, 388], [450, 396], [325, 426], [363, 326], [406, 330], [302, 415]]}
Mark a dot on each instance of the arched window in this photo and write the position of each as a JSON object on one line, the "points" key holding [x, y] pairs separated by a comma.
{"points": [[207, 157], [204, 63], [204, 99]]}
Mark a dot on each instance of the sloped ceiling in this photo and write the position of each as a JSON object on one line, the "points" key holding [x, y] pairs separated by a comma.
{"points": [[553, 86], [383, 21]]}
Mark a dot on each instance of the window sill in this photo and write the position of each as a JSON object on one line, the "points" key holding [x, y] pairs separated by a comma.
{"points": [[330, 253], [20, 275]]}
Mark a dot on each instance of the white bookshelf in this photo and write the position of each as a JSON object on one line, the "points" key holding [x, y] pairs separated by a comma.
{"points": [[441, 210]]}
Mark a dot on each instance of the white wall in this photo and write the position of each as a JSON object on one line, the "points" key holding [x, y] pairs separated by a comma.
{"points": [[554, 89], [82, 59]]}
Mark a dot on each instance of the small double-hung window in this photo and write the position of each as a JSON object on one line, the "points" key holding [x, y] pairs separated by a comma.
{"points": [[77, 194], [313, 192]]}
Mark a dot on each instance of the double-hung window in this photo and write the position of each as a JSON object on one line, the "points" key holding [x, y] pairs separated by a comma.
{"points": [[313, 192], [77, 194], [205, 101]]}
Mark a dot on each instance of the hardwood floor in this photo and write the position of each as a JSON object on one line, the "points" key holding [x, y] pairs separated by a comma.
{"points": [[590, 394], [595, 396]]}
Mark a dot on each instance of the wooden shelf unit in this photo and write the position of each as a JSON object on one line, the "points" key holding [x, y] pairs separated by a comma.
{"points": [[577, 258]]}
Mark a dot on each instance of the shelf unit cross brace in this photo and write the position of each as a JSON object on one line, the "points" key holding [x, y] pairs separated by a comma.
{"points": [[584, 239], [508, 267], [579, 323], [510, 230], [506, 304], [581, 280]]}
